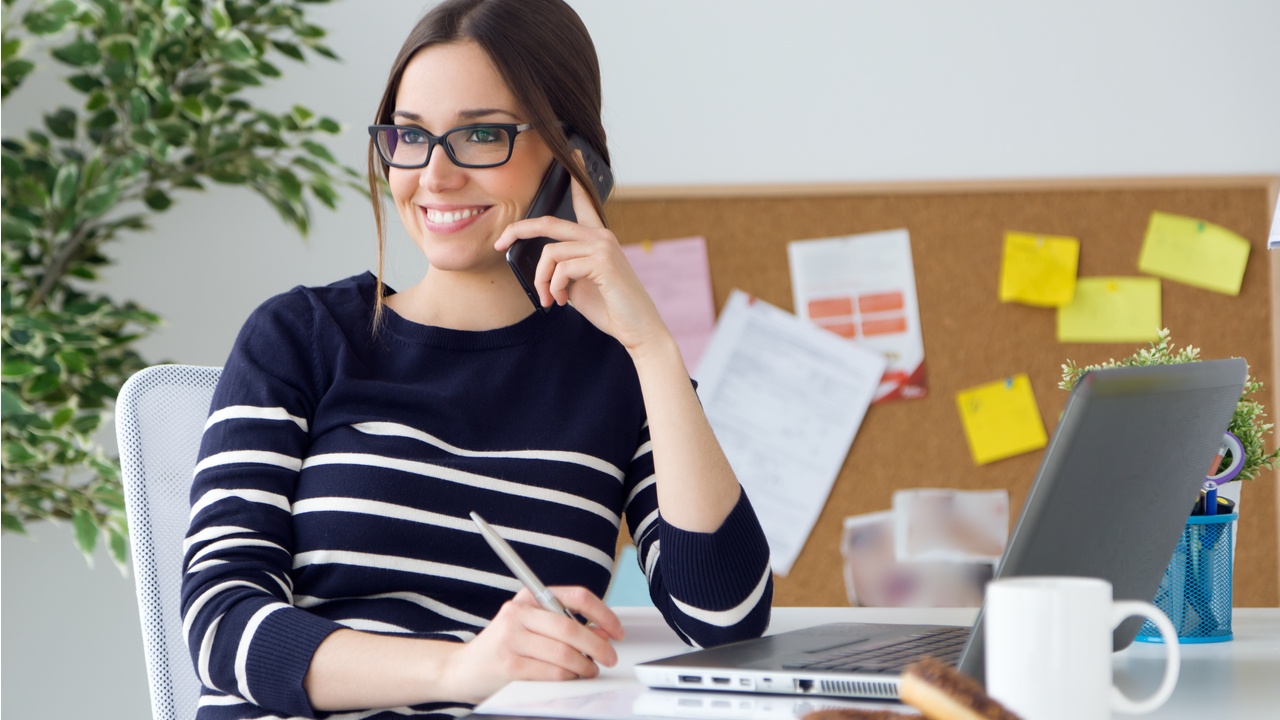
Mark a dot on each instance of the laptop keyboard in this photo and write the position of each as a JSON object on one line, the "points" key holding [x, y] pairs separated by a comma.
{"points": [[944, 645]]}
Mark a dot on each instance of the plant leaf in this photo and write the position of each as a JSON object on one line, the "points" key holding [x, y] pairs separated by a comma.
{"points": [[64, 186], [50, 19], [78, 53], [13, 72], [63, 416], [84, 82], [139, 106], [319, 151], [11, 404], [192, 108], [86, 532], [11, 523], [100, 200], [62, 123], [18, 368], [14, 228], [119, 546], [221, 20], [287, 48], [236, 48], [157, 199]]}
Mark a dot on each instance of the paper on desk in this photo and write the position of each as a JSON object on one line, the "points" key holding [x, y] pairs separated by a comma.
{"points": [[785, 399], [633, 701], [1039, 269], [1001, 419], [678, 278], [863, 288], [1111, 309], [942, 524], [1194, 252], [1274, 241], [875, 577]]}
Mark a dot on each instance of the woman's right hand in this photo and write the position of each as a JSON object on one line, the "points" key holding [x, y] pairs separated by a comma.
{"points": [[526, 642]]}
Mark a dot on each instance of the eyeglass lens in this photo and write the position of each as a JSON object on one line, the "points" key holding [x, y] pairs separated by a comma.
{"points": [[467, 146]]}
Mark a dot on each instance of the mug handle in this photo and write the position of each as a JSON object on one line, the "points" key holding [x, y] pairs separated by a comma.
{"points": [[1124, 609]]}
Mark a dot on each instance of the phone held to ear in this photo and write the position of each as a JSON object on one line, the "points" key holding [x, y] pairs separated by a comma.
{"points": [[555, 198]]}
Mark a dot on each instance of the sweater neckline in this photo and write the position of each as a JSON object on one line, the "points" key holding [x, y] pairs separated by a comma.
{"points": [[532, 327]]}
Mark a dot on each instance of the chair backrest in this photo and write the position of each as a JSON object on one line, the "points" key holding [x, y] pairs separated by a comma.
{"points": [[160, 417]]}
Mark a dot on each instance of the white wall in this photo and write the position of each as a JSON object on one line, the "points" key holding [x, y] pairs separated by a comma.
{"points": [[695, 92]]}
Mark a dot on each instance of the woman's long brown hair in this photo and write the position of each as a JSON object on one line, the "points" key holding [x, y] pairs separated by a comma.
{"points": [[543, 52]]}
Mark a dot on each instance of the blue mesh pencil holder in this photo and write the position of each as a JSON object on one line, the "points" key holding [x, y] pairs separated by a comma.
{"points": [[1196, 590]]}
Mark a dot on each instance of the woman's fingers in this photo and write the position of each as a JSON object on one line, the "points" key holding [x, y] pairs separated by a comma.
{"points": [[541, 646], [565, 261], [546, 226], [566, 271], [566, 642], [583, 639], [586, 603], [582, 207]]}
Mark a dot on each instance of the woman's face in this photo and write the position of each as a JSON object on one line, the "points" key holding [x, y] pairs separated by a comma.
{"points": [[456, 214]]}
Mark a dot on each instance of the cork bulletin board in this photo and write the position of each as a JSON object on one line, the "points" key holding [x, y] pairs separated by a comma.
{"points": [[957, 234]]}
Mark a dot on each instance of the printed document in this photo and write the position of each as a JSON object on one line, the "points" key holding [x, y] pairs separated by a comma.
{"points": [[863, 288], [785, 399]]}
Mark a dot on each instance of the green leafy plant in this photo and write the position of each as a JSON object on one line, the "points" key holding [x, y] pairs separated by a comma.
{"points": [[163, 111], [1248, 422]]}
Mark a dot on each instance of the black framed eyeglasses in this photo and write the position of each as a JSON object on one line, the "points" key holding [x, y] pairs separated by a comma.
{"points": [[469, 146]]}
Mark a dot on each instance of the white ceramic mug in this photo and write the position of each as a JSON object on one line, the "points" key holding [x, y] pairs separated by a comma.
{"points": [[1048, 648]]}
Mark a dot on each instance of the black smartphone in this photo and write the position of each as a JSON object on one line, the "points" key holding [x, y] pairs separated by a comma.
{"points": [[555, 197]]}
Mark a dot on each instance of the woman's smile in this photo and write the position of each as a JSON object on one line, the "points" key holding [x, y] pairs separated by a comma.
{"points": [[446, 219]]}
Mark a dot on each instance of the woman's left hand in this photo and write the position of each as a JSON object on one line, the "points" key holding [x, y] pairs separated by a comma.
{"points": [[587, 268]]}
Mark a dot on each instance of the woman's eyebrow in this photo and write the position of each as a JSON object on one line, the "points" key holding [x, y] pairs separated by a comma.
{"points": [[471, 114], [483, 112]]}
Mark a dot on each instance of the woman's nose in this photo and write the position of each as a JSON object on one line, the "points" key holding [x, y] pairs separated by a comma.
{"points": [[440, 174]]}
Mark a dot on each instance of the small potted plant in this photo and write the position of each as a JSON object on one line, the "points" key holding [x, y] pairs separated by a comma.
{"points": [[1196, 590], [1248, 422]]}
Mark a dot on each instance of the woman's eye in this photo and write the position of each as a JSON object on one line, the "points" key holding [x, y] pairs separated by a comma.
{"points": [[412, 137], [484, 135]]}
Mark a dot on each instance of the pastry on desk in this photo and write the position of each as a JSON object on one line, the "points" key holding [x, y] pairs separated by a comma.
{"points": [[938, 691]]}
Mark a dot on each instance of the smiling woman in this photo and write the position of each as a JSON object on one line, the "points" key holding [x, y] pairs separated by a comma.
{"points": [[455, 210], [331, 562]]}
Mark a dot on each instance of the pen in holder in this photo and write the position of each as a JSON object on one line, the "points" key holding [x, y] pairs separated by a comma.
{"points": [[1196, 590]]}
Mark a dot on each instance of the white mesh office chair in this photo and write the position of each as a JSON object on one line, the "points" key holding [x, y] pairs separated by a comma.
{"points": [[160, 417]]}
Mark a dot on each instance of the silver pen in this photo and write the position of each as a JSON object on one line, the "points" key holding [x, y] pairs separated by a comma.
{"points": [[518, 568]]}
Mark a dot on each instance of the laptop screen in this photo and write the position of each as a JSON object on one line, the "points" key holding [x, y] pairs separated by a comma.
{"points": [[1119, 479]]}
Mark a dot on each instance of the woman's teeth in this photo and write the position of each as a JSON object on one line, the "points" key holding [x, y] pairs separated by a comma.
{"points": [[437, 216]]}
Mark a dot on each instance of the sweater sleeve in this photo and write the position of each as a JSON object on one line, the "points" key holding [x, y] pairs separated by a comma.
{"points": [[712, 588], [245, 636]]}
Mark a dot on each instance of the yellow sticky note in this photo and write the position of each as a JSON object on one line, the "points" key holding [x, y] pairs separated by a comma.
{"points": [[1111, 309], [1001, 419], [1194, 252], [1039, 269]]}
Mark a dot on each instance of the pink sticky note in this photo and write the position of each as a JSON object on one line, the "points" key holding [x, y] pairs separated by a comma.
{"points": [[678, 278]]}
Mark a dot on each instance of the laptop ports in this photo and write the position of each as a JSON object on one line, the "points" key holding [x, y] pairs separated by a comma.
{"points": [[690, 679], [720, 681], [804, 686]]}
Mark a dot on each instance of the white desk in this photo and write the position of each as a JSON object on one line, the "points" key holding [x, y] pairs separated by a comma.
{"points": [[1219, 681]]}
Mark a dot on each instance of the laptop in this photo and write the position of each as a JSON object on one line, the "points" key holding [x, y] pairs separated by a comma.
{"points": [[1114, 490]]}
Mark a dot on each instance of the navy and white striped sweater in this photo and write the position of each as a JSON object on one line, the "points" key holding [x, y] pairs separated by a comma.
{"points": [[337, 472]]}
